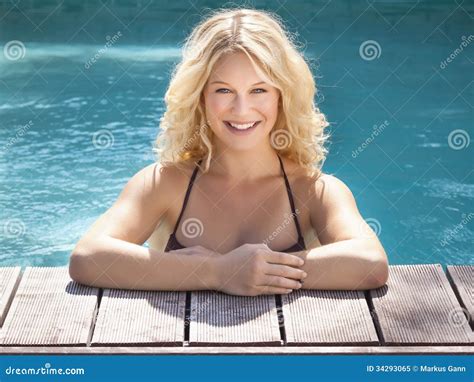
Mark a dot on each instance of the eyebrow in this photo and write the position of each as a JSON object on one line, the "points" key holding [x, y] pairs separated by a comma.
{"points": [[222, 82]]}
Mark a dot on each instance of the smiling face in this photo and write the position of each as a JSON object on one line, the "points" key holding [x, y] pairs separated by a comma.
{"points": [[240, 106]]}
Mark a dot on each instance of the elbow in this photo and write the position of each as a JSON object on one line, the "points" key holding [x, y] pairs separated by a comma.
{"points": [[78, 268], [378, 273]]}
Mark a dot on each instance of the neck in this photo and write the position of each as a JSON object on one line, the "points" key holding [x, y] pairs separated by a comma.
{"points": [[247, 166]]}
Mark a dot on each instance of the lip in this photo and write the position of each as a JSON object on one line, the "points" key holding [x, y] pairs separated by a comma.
{"points": [[241, 132], [243, 123]]}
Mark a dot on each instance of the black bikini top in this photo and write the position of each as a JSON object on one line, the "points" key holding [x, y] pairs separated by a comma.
{"points": [[173, 243]]}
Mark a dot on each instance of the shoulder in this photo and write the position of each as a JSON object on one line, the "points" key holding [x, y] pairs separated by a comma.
{"points": [[162, 174], [327, 187], [323, 192], [333, 210], [320, 186], [160, 180]]}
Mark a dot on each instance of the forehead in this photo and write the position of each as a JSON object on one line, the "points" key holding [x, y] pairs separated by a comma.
{"points": [[235, 67]]}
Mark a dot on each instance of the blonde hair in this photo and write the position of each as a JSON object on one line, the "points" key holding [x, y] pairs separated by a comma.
{"points": [[262, 37]]}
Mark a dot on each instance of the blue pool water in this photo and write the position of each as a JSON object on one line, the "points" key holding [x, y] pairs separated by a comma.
{"points": [[413, 181]]}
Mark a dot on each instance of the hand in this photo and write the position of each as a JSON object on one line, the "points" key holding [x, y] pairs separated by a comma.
{"points": [[254, 269]]}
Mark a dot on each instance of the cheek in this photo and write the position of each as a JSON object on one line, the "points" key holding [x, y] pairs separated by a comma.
{"points": [[215, 105], [269, 107]]}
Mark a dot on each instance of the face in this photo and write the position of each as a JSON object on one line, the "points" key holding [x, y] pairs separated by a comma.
{"points": [[240, 106]]}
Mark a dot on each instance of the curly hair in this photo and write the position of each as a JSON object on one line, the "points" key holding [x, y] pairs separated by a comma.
{"points": [[299, 130]]}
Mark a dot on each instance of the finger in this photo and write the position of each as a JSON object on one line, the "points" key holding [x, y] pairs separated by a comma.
{"points": [[281, 282], [285, 271], [255, 246], [274, 290], [283, 258]]}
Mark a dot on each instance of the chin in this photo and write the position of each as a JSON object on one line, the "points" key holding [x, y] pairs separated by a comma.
{"points": [[239, 146]]}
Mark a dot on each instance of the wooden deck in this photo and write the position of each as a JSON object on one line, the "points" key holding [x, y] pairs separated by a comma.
{"points": [[421, 310]]}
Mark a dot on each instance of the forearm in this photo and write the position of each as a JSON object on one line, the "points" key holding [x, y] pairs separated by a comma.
{"points": [[114, 263], [346, 265]]}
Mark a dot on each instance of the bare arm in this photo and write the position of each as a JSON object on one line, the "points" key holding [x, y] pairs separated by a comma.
{"points": [[114, 263], [111, 255], [351, 256]]}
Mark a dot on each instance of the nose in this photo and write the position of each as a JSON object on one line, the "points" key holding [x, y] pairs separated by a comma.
{"points": [[240, 105]]}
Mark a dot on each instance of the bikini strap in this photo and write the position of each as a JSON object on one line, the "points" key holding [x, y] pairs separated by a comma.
{"points": [[292, 202], [188, 192]]}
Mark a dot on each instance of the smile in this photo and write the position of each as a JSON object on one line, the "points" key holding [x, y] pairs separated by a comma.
{"points": [[241, 127]]}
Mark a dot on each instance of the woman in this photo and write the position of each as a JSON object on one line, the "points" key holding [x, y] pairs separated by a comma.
{"points": [[238, 202]]}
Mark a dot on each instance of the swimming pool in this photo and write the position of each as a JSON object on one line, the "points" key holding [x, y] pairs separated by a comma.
{"points": [[79, 112]]}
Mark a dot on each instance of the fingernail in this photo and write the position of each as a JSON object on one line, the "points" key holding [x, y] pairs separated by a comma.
{"points": [[301, 282], [305, 275], [301, 261]]}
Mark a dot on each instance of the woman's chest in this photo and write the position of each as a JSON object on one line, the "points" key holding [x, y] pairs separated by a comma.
{"points": [[222, 221]]}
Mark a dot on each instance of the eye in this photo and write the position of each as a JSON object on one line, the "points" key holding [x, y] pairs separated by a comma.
{"points": [[222, 90], [262, 90]]}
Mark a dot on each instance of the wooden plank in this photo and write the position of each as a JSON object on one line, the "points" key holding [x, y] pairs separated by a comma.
{"points": [[49, 309], [462, 280], [417, 306], [9, 280], [225, 320], [140, 317], [311, 350], [327, 317]]}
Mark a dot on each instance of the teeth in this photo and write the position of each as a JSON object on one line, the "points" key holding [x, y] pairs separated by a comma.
{"points": [[242, 127]]}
